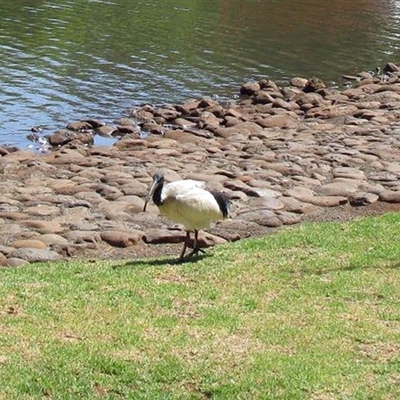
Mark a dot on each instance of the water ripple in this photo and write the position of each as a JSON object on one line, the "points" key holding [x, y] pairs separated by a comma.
{"points": [[64, 60]]}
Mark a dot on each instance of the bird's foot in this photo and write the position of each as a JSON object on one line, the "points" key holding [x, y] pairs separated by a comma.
{"points": [[194, 252]]}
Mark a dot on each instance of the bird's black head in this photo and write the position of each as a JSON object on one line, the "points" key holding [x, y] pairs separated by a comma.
{"points": [[155, 189], [158, 178]]}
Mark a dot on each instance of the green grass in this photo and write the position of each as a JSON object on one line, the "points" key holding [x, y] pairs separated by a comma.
{"points": [[312, 312]]}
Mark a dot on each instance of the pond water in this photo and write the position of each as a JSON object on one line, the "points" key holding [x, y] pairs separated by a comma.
{"points": [[66, 60]]}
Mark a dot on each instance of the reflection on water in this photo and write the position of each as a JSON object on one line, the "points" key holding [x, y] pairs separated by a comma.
{"points": [[65, 60]]}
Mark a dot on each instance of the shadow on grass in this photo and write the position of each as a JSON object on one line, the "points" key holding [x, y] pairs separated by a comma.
{"points": [[388, 264], [160, 262]]}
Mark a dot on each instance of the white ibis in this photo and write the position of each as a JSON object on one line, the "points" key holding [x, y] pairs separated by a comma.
{"points": [[186, 202]]}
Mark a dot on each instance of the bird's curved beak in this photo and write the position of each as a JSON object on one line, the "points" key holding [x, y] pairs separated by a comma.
{"points": [[145, 203], [148, 197]]}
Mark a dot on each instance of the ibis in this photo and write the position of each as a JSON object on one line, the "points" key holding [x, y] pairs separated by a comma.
{"points": [[188, 203]]}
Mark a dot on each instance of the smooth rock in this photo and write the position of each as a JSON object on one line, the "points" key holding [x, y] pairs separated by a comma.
{"points": [[262, 217], [35, 255], [328, 201], [42, 210], [3, 260], [121, 238], [43, 226], [30, 243], [51, 239], [390, 196], [362, 199], [14, 262], [339, 188], [158, 236], [82, 237]]}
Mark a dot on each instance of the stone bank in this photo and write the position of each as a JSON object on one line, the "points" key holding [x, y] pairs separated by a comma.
{"points": [[282, 154]]}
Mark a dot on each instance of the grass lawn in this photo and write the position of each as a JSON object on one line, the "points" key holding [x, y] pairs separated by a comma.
{"points": [[312, 312]]}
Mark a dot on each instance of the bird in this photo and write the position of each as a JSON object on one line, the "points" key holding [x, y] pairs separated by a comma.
{"points": [[188, 203]]}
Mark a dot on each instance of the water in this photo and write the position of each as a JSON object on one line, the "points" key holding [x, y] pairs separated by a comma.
{"points": [[66, 60]]}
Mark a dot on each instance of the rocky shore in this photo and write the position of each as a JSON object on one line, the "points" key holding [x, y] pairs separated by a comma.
{"points": [[282, 154]]}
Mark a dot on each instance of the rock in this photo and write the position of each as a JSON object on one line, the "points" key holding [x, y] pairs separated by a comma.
{"points": [[237, 185], [250, 88], [4, 151], [16, 216], [70, 189], [208, 102], [289, 218], [18, 155], [121, 238], [344, 187], [183, 123], [390, 196], [95, 123], [312, 99], [349, 173], [362, 199], [206, 239], [188, 106], [298, 82], [35, 255], [208, 119], [9, 200], [108, 192], [236, 229], [391, 67], [3, 260], [332, 111], [62, 137], [83, 226], [314, 84], [43, 226], [76, 203], [30, 243], [168, 114], [106, 130], [158, 236], [286, 168], [14, 262], [83, 237], [134, 189], [6, 250], [51, 239], [263, 97], [328, 201], [42, 210], [384, 97], [262, 217], [79, 126], [66, 158], [279, 121], [142, 114]]}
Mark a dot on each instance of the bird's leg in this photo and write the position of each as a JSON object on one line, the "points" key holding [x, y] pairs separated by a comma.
{"points": [[185, 245], [196, 247], [195, 242]]}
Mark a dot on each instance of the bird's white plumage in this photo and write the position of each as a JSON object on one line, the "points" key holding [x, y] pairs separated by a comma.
{"points": [[186, 202]]}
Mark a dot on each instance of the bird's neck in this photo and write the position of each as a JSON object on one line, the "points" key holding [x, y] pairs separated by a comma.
{"points": [[157, 194]]}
